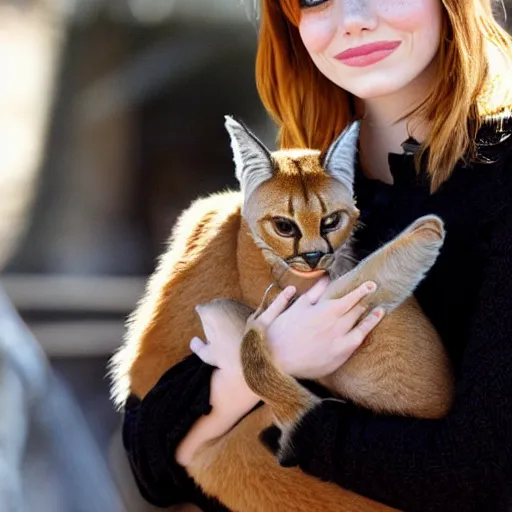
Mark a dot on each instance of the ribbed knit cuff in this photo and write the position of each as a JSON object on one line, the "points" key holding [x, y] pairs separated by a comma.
{"points": [[154, 427], [313, 440]]}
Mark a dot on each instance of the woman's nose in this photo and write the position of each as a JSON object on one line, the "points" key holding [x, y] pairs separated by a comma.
{"points": [[357, 16]]}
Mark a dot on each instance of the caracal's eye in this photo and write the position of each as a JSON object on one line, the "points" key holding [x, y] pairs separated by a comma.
{"points": [[331, 222], [285, 227]]}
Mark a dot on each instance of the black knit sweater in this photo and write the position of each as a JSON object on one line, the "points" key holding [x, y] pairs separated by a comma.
{"points": [[462, 462]]}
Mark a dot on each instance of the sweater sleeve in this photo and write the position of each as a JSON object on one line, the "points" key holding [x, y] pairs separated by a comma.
{"points": [[154, 427], [462, 462]]}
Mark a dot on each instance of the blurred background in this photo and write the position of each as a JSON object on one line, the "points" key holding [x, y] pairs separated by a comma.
{"points": [[111, 122]]}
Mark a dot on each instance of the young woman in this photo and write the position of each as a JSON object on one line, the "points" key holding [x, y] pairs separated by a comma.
{"points": [[430, 80]]}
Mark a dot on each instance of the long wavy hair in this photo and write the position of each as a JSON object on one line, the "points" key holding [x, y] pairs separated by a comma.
{"points": [[474, 83]]}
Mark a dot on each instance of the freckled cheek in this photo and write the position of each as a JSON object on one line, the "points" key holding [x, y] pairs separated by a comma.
{"points": [[411, 16], [316, 32]]}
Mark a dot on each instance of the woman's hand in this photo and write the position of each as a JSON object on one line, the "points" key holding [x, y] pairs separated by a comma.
{"points": [[224, 334], [223, 339], [311, 339], [314, 337], [229, 392], [230, 397]]}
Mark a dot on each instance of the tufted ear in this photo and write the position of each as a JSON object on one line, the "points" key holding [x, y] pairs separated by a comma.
{"points": [[252, 159], [340, 159]]}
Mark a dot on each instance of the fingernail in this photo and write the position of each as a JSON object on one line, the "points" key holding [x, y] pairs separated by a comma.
{"points": [[371, 286], [195, 344], [289, 291], [378, 312]]}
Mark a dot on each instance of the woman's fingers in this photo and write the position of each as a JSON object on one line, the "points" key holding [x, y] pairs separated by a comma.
{"points": [[358, 334], [203, 351], [351, 318], [347, 302], [317, 290], [279, 304]]}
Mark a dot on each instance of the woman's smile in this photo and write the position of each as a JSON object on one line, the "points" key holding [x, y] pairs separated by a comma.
{"points": [[368, 54]]}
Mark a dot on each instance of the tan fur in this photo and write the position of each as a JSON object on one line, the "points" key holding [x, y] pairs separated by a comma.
{"points": [[247, 478], [427, 394], [215, 252], [165, 321]]}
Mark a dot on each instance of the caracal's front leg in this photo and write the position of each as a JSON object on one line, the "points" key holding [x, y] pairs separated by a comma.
{"points": [[397, 267]]}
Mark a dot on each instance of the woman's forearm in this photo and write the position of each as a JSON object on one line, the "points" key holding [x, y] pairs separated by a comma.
{"points": [[231, 400]]}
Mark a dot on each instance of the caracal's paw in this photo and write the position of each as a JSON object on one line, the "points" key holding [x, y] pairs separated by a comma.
{"points": [[429, 229]]}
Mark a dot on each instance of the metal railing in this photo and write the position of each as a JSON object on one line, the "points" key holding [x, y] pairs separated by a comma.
{"points": [[37, 409]]}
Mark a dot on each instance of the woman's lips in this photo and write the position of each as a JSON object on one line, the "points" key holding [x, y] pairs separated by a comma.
{"points": [[367, 54]]}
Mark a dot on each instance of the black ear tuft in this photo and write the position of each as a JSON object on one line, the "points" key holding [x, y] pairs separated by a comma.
{"points": [[288, 460], [270, 437]]}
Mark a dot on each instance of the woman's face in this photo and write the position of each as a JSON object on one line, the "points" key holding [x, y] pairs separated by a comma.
{"points": [[403, 36]]}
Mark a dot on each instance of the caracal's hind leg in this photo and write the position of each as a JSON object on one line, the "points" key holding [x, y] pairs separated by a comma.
{"points": [[241, 473]]}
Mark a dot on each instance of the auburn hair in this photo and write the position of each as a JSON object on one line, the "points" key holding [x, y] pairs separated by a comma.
{"points": [[474, 83]]}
